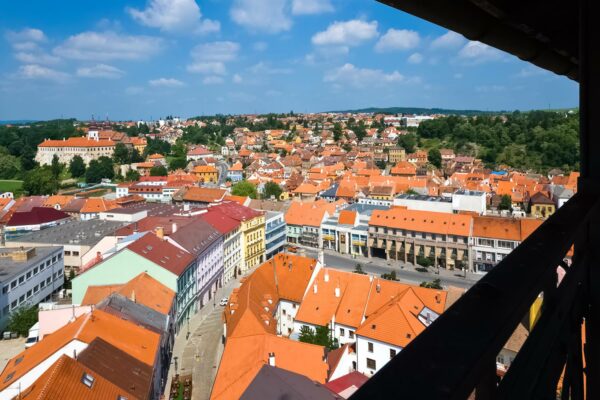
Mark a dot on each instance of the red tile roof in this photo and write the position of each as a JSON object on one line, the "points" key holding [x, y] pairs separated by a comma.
{"points": [[37, 215], [162, 253], [220, 221]]}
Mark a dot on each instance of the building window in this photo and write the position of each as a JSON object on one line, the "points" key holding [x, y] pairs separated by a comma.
{"points": [[5, 289], [342, 332], [392, 353], [370, 347], [13, 284], [29, 275], [371, 364], [36, 270], [351, 334], [87, 380], [485, 242], [29, 293]]}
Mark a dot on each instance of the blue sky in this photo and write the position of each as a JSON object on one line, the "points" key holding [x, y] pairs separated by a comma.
{"points": [[139, 59]]}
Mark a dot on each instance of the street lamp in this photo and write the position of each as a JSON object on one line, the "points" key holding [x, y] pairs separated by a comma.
{"points": [[175, 361], [188, 327]]}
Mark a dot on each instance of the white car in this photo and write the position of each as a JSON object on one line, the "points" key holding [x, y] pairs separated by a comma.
{"points": [[223, 301]]}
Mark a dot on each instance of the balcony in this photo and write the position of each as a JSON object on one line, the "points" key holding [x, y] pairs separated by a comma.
{"points": [[456, 356]]}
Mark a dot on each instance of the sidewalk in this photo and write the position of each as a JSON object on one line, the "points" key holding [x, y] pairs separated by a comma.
{"points": [[186, 361]]}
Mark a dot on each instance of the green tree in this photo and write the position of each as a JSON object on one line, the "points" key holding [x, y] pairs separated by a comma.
{"points": [[380, 164], [132, 176], [28, 158], [358, 269], [390, 277], [40, 181], [10, 166], [435, 158], [177, 163], [307, 335], [22, 319], [135, 156], [121, 154], [159, 170], [505, 202], [337, 132], [56, 167], [272, 189], [320, 336], [244, 188], [77, 167], [434, 284], [408, 142], [424, 261], [99, 169]]}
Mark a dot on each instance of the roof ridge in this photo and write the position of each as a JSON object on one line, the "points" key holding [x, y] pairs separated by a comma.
{"points": [[59, 363]]}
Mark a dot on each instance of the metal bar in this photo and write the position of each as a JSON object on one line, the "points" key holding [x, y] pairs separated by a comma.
{"points": [[538, 365], [487, 388], [446, 360]]}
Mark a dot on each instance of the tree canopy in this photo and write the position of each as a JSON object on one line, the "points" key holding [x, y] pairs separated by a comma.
{"points": [[272, 189], [320, 336], [40, 181], [99, 169], [244, 188], [159, 170], [77, 167]]}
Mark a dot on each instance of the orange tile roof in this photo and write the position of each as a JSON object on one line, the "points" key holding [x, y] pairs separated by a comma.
{"points": [[63, 380], [244, 356], [241, 200], [423, 221], [308, 213], [347, 217], [237, 167], [285, 276], [143, 289], [59, 200], [504, 228], [202, 194], [97, 204], [77, 142], [203, 169], [155, 156], [124, 335], [307, 188]]}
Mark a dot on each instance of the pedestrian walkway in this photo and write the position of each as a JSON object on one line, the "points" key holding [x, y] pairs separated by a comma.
{"points": [[197, 352]]}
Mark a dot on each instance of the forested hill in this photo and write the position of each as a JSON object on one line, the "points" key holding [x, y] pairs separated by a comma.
{"points": [[536, 140], [418, 111]]}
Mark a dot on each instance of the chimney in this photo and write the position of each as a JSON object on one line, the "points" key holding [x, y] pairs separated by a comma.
{"points": [[160, 232], [133, 296], [378, 287], [174, 227], [326, 278], [272, 359], [337, 291], [315, 288]]}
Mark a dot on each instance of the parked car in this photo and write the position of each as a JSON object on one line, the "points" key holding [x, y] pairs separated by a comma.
{"points": [[223, 301], [292, 249], [34, 335]]}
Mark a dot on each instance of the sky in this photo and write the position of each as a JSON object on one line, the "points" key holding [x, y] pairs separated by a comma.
{"points": [[143, 59]]}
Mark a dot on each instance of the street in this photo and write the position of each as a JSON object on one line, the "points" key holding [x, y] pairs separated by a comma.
{"points": [[404, 272]]}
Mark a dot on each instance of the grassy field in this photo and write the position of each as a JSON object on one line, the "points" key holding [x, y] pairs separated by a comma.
{"points": [[11, 186]]}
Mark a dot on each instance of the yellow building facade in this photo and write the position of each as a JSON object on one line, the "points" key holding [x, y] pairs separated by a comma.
{"points": [[253, 242]]}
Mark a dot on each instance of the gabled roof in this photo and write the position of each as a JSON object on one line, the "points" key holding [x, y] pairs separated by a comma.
{"points": [[130, 338], [245, 356], [59, 200], [97, 205], [347, 217], [277, 383], [309, 213], [64, 380], [144, 289], [504, 228], [162, 253], [37, 215], [196, 237], [220, 221], [123, 370], [237, 211], [203, 195], [346, 385]]}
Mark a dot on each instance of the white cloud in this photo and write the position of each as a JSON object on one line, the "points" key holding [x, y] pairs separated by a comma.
{"points": [[237, 78], [348, 33], [348, 74], [397, 39], [477, 53], [174, 16], [26, 35], [104, 46], [210, 58], [415, 58], [36, 58], [212, 80], [308, 7], [263, 68], [260, 46], [217, 68], [34, 71], [26, 46], [166, 82], [449, 40], [268, 16], [100, 71]]}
